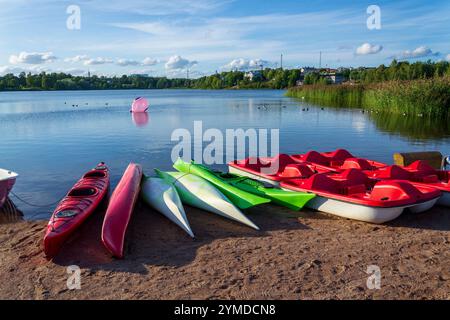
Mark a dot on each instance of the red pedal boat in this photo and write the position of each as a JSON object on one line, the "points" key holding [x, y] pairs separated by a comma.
{"points": [[120, 209], [79, 203], [337, 161], [274, 170], [418, 173], [351, 194]]}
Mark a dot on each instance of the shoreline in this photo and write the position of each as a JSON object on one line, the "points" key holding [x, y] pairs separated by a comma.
{"points": [[150, 89], [426, 97], [304, 255]]}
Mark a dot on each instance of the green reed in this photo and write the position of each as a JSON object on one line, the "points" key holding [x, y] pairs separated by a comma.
{"points": [[415, 97]]}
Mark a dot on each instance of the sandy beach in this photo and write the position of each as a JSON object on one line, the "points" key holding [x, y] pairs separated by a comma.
{"points": [[306, 255]]}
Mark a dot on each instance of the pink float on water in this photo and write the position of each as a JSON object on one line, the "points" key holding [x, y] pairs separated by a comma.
{"points": [[140, 104]]}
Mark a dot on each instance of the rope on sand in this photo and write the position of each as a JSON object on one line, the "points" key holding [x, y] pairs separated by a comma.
{"points": [[10, 211], [33, 204]]}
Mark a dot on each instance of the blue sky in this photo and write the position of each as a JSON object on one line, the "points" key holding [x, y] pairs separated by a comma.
{"points": [[168, 37]]}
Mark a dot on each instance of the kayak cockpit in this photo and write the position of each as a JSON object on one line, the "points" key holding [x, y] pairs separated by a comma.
{"points": [[82, 192], [95, 174]]}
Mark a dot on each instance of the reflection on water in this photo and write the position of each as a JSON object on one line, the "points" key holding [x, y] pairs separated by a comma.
{"points": [[52, 138], [413, 127], [140, 119]]}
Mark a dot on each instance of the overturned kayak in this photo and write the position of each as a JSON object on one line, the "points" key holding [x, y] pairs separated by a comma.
{"points": [[120, 209], [418, 173], [292, 200], [198, 192], [241, 198], [351, 194], [79, 203], [163, 197]]}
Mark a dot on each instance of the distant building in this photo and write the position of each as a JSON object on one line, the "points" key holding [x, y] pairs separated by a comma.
{"points": [[139, 75], [335, 78], [308, 70], [343, 69], [253, 75]]}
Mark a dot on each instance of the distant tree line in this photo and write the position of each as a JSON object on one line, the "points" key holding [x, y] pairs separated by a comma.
{"points": [[395, 71], [266, 78], [63, 81]]}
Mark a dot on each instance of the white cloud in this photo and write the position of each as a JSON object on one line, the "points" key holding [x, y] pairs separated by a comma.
{"points": [[448, 57], [149, 61], [127, 62], [10, 69], [244, 64], [123, 62], [178, 63], [419, 52], [16, 69], [97, 61], [142, 71], [75, 71], [213, 38], [367, 48], [78, 58], [32, 57]]}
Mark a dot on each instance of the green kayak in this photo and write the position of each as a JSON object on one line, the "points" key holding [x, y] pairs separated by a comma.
{"points": [[228, 183], [197, 192], [240, 198]]}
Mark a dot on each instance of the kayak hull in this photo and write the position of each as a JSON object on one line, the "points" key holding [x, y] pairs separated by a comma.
{"points": [[163, 197], [243, 173], [120, 209], [240, 198], [198, 192], [290, 199], [80, 202]]}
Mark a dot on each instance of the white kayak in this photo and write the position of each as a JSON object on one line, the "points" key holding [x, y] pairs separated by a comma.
{"points": [[198, 192], [163, 197]]}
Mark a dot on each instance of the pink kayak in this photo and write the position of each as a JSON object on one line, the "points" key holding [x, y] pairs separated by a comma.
{"points": [[120, 209]]}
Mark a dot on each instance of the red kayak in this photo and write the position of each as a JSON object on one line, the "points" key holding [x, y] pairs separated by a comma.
{"points": [[79, 203], [419, 173], [120, 209]]}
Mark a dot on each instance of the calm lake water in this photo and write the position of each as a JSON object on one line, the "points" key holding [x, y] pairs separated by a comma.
{"points": [[51, 143]]}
